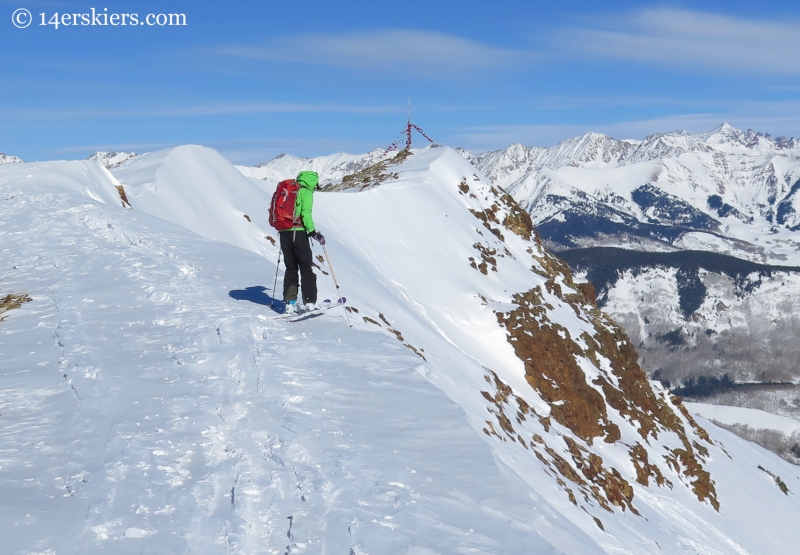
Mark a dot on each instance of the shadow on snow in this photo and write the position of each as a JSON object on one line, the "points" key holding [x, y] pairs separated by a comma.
{"points": [[257, 294]]}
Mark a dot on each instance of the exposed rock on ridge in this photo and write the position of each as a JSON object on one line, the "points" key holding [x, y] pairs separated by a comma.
{"points": [[591, 384]]}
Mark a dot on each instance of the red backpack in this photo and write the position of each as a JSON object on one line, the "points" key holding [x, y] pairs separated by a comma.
{"points": [[281, 209]]}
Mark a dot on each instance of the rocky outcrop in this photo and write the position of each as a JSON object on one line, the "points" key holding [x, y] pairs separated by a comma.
{"points": [[12, 301], [594, 390]]}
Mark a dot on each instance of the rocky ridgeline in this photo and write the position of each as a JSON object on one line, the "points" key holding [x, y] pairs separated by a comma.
{"points": [[593, 388]]}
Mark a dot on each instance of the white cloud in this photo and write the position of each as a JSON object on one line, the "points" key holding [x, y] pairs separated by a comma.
{"points": [[48, 114], [392, 51], [692, 39]]}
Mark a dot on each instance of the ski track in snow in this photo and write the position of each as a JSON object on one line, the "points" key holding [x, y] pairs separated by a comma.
{"points": [[165, 417]]}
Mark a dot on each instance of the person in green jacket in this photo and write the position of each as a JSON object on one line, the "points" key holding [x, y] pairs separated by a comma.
{"points": [[296, 247]]}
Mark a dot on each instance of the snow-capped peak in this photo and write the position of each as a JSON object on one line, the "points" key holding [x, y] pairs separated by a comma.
{"points": [[5, 159], [589, 150], [111, 159], [724, 131]]}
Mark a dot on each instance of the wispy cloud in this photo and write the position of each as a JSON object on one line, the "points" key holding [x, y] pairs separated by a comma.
{"points": [[693, 39], [392, 51], [87, 150], [234, 108]]}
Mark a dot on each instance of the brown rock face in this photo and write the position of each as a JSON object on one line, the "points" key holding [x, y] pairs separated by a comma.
{"points": [[126, 203], [514, 218], [551, 357], [592, 384], [371, 176], [552, 370]]}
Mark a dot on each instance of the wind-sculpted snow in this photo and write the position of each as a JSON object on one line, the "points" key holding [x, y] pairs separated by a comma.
{"points": [[151, 402], [196, 188]]}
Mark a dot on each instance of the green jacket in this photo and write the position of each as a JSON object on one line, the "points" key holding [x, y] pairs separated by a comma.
{"points": [[307, 182]]}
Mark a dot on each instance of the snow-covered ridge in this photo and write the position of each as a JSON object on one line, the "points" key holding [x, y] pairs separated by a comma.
{"points": [[330, 168], [162, 402], [182, 185], [5, 159], [111, 159], [731, 192]]}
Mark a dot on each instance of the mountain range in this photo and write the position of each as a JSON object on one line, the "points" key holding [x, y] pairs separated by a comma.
{"points": [[716, 214], [691, 241], [729, 193]]}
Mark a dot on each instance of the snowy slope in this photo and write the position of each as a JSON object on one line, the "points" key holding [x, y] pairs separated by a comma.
{"points": [[779, 434], [147, 408], [742, 325], [740, 415]]}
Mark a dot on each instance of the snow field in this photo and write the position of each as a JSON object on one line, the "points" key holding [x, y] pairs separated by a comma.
{"points": [[152, 410], [754, 418], [185, 423]]}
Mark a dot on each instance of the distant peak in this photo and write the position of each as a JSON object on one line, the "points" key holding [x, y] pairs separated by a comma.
{"points": [[725, 133], [111, 159], [594, 135], [726, 129], [5, 159]]}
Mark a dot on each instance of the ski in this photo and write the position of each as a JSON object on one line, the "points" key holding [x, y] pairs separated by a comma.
{"points": [[327, 304]]}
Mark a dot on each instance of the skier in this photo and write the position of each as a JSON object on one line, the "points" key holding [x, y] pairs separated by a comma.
{"points": [[296, 247]]}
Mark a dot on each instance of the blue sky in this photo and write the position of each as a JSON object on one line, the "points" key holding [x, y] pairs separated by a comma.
{"points": [[254, 79]]}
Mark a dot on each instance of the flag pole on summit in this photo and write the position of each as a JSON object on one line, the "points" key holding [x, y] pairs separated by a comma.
{"points": [[407, 132]]}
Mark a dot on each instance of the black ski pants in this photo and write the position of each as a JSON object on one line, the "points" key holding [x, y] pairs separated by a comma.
{"points": [[298, 258]]}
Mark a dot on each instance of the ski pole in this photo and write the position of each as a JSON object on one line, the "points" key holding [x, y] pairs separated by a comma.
{"points": [[277, 269], [336, 283]]}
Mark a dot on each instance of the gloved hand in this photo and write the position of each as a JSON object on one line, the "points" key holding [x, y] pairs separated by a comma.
{"points": [[319, 237]]}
